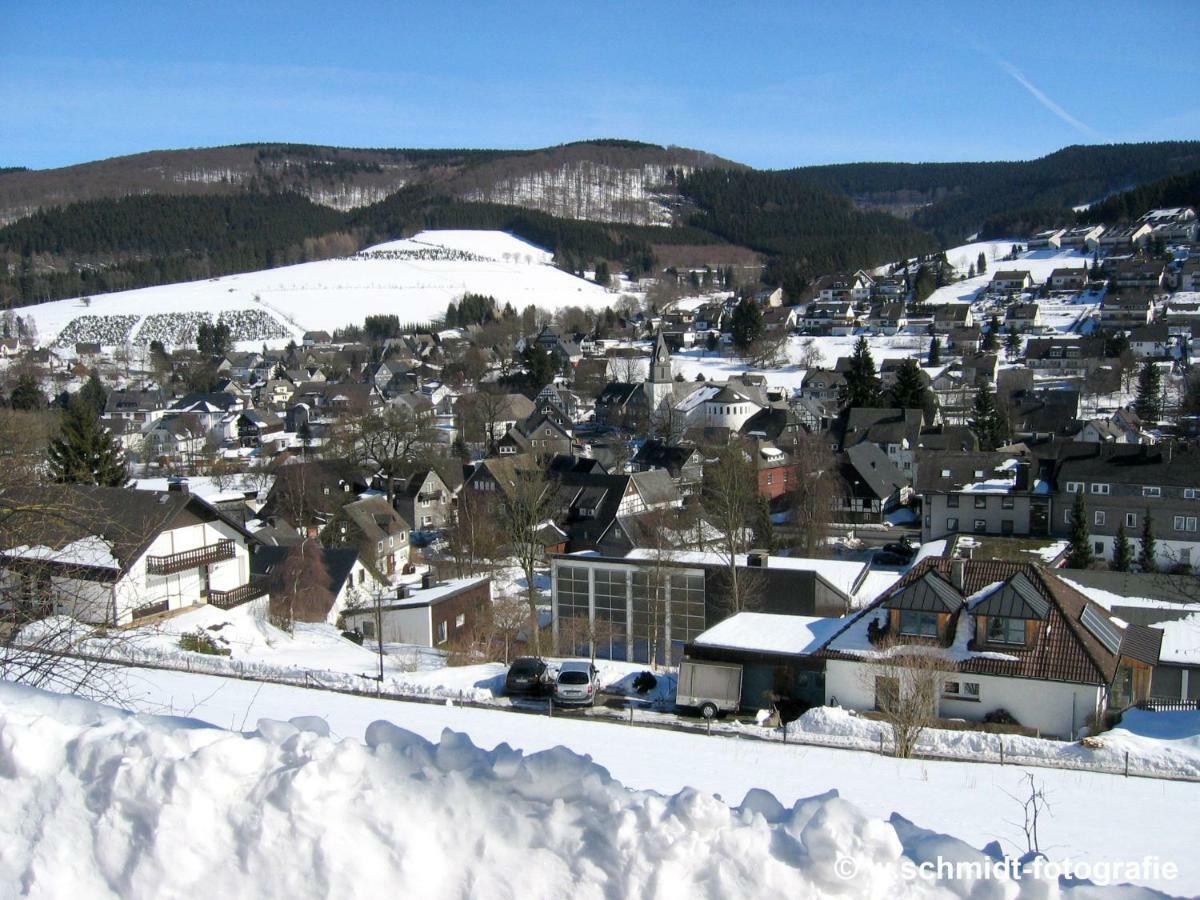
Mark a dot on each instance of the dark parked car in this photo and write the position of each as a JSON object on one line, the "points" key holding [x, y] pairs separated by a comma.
{"points": [[527, 675], [900, 548], [885, 558]]}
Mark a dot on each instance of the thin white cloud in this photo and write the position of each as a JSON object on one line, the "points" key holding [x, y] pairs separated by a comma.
{"points": [[1040, 96]]}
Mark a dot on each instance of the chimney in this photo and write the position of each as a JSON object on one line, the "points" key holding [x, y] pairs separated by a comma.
{"points": [[402, 592], [1022, 482], [428, 580], [958, 574], [177, 485], [757, 559]]}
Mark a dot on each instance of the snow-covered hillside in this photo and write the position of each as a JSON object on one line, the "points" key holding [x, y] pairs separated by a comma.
{"points": [[589, 190], [414, 279], [100, 803], [1039, 264]]}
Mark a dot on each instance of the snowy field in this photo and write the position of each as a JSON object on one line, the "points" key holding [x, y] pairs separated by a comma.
{"points": [[414, 279], [977, 803], [790, 375], [1039, 264]]}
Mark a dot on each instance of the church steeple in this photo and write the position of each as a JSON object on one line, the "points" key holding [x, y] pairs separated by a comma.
{"points": [[659, 385], [660, 362]]}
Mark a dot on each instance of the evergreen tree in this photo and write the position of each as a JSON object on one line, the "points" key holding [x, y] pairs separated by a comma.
{"points": [[1148, 551], [925, 284], [540, 365], [1079, 553], [991, 336], [762, 526], [909, 391], [1012, 343], [26, 395], [981, 264], [1122, 559], [863, 387], [985, 419], [93, 394], [84, 452], [602, 274], [1149, 393], [935, 351], [746, 324]]}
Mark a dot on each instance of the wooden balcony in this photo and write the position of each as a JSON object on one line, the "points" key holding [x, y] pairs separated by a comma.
{"points": [[191, 559], [244, 593]]}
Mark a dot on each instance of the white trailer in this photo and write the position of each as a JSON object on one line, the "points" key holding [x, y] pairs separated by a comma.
{"points": [[709, 687]]}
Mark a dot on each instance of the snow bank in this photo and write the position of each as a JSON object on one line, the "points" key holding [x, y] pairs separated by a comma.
{"points": [[102, 803]]}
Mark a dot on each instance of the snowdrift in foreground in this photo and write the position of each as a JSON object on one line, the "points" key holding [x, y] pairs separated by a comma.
{"points": [[96, 802]]}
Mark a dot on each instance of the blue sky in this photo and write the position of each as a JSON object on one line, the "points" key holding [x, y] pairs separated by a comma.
{"points": [[769, 84]]}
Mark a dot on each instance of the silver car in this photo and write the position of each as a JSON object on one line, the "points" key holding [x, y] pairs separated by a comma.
{"points": [[577, 683]]}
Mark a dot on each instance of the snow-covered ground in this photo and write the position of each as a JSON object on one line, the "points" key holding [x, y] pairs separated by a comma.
{"points": [[415, 279], [978, 803], [1039, 264], [99, 803], [790, 375]]}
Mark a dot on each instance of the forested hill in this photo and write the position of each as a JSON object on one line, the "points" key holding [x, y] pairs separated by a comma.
{"points": [[955, 200], [1177, 190], [181, 215]]}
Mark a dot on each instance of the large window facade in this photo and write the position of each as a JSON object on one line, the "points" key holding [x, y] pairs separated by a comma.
{"points": [[612, 599], [636, 612]]}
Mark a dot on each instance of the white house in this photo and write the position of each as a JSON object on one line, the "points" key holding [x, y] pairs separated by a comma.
{"points": [[1010, 637], [110, 555]]}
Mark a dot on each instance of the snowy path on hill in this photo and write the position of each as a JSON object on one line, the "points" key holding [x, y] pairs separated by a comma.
{"points": [[975, 802]]}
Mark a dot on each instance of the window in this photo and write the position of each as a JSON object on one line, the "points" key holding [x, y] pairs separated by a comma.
{"points": [[1151, 492], [1179, 522], [368, 629], [952, 524], [981, 526], [981, 502], [1007, 502], [979, 473], [1098, 548], [918, 624], [1191, 493], [1131, 520], [1005, 630], [461, 620], [945, 473], [1185, 556], [950, 688], [1006, 526], [1074, 487], [443, 631], [1099, 517], [1067, 516], [970, 690], [1098, 488], [1187, 523], [952, 501]]}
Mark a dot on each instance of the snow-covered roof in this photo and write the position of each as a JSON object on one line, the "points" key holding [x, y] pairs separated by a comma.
{"points": [[1180, 641], [770, 633], [842, 574], [89, 551]]}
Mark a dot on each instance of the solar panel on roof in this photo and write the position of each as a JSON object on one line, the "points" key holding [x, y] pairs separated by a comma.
{"points": [[1101, 628]]}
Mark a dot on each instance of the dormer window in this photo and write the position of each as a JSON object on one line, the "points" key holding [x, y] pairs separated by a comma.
{"points": [[1098, 488], [1005, 630], [915, 623]]}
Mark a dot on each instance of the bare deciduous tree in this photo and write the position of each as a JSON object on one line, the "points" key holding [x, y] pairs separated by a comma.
{"points": [[525, 506], [907, 682], [730, 495], [304, 595]]}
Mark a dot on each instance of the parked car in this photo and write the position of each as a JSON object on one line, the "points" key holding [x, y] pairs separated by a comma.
{"points": [[577, 682], [885, 557], [900, 548], [527, 675]]}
